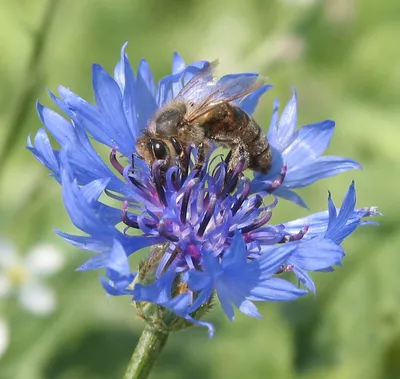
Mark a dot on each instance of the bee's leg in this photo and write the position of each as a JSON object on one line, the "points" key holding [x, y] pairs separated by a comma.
{"points": [[201, 155], [237, 161], [228, 157], [239, 157], [229, 172], [184, 160]]}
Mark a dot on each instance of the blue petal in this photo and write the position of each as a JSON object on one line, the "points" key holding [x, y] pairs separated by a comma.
{"points": [[249, 103], [44, 153], [110, 289], [224, 296], [274, 257], [167, 87], [343, 224], [203, 297], [87, 164], [130, 99], [85, 243], [89, 116], [344, 215], [146, 104], [311, 141], [247, 78], [118, 285], [331, 211], [205, 324], [145, 74], [103, 243], [117, 260], [159, 292], [236, 255], [109, 100], [125, 78], [249, 309], [92, 191], [317, 254], [347, 229], [60, 104], [273, 126], [305, 278], [59, 127], [197, 280], [119, 71], [82, 215], [179, 304], [287, 194], [178, 64], [285, 132], [95, 218], [320, 168], [96, 262], [276, 289], [89, 119]]}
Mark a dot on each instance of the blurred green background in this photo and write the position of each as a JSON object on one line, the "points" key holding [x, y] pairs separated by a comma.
{"points": [[343, 58]]}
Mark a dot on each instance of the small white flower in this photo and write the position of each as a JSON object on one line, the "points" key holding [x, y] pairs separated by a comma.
{"points": [[4, 336], [22, 276]]}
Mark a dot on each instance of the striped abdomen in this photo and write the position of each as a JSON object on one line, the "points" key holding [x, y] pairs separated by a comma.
{"points": [[230, 126]]}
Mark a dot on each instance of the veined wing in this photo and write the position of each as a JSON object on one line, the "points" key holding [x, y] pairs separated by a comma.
{"points": [[200, 85], [203, 92]]}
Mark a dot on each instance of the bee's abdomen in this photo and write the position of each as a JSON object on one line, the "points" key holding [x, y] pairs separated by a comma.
{"points": [[230, 126], [258, 148], [254, 140]]}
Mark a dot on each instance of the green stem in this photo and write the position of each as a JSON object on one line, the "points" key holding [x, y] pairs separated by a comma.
{"points": [[149, 347], [29, 84]]}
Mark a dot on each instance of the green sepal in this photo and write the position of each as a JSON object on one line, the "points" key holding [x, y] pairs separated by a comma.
{"points": [[154, 315]]}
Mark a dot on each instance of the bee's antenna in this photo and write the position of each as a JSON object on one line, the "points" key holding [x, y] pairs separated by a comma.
{"points": [[135, 155]]}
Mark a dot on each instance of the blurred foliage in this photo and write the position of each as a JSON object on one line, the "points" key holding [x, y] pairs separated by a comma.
{"points": [[342, 58]]}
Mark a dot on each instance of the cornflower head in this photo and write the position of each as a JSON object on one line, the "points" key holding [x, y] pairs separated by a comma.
{"points": [[208, 227]]}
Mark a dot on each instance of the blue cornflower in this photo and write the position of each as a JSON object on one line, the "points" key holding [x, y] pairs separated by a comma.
{"points": [[211, 225]]}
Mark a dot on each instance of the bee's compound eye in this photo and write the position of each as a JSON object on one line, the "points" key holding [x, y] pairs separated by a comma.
{"points": [[159, 149], [177, 146]]}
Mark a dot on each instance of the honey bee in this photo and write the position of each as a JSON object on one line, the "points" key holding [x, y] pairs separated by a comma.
{"points": [[203, 114]]}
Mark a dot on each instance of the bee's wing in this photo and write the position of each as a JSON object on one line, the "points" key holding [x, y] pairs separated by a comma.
{"points": [[202, 92], [199, 86]]}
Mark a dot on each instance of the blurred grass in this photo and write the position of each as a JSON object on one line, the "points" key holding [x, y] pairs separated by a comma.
{"points": [[341, 56]]}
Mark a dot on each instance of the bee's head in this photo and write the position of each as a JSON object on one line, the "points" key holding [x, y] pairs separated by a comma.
{"points": [[165, 122], [154, 148]]}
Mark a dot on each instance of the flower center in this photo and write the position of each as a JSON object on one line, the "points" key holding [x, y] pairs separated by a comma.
{"points": [[194, 208], [17, 275]]}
